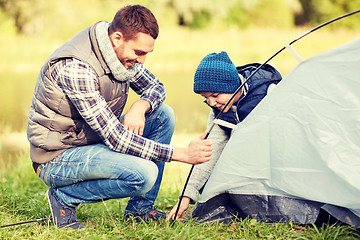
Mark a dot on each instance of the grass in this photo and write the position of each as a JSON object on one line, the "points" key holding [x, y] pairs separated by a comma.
{"points": [[22, 198]]}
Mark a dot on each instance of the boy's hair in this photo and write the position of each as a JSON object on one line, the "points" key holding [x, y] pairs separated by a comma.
{"points": [[133, 19]]}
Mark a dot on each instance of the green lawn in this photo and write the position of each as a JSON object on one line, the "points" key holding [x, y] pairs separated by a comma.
{"points": [[22, 198]]}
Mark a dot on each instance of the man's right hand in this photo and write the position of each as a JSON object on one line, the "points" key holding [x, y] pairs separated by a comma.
{"points": [[198, 151]]}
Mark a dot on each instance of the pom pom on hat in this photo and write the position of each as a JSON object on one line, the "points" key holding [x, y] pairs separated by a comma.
{"points": [[216, 73]]}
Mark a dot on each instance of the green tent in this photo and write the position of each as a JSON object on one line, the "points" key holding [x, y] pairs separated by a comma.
{"points": [[297, 154]]}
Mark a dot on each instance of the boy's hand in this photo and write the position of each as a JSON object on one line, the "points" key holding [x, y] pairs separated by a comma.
{"points": [[185, 202]]}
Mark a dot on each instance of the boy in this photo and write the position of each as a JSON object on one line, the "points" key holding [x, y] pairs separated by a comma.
{"points": [[216, 79]]}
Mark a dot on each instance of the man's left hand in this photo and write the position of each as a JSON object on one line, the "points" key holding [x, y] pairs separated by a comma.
{"points": [[134, 119]]}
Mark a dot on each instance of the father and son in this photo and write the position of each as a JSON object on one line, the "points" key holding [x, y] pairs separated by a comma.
{"points": [[87, 150]]}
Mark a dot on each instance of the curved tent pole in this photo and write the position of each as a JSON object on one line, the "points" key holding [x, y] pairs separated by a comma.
{"points": [[239, 88]]}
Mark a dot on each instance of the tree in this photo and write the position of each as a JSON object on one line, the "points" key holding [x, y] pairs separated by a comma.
{"points": [[199, 13], [319, 11], [25, 13], [241, 13]]}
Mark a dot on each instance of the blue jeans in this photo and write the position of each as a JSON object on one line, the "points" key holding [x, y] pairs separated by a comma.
{"points": [[93, 173]]}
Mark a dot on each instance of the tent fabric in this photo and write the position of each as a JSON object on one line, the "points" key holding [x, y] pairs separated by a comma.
{"points": [[298, 151], [227, 207]]}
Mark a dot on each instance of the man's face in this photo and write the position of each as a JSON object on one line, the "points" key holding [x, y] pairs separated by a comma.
{"points": [[219, 100], [132, 50]]}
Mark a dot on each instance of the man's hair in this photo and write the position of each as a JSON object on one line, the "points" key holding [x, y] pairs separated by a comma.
{"points": [[133, 19]]}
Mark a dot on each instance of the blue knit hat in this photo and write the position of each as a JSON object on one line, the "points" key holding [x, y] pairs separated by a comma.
{"points": [[216, 73]]}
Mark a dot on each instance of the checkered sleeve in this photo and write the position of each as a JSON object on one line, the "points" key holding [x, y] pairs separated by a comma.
{"points": [[79, 83], [150, 88]]}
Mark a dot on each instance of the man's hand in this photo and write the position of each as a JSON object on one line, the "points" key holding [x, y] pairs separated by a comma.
{"points": [[134, 119], [185, 202], [198, 151]]}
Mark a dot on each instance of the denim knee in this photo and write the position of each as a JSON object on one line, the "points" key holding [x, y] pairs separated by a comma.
{"points": [[149, 176], [169, 116]]}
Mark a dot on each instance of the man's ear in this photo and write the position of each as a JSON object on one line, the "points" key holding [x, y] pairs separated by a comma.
{"points": [[116, 38]]}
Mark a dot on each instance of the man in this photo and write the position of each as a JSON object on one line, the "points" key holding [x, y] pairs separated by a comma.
{"points": [[81, 145]]}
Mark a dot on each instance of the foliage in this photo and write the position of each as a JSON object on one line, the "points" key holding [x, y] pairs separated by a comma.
{"points": [[317, 12], [199, 14], [33, 16], [25, 13], [261, 13]]}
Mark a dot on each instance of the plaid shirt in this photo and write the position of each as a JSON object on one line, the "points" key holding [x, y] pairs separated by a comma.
{"points": [[79, 83]]}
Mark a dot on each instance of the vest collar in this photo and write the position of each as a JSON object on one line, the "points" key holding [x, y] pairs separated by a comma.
{"points": [[96, 49]]}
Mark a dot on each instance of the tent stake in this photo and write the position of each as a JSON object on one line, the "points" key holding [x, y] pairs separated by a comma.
{"points": [[239, 88]]}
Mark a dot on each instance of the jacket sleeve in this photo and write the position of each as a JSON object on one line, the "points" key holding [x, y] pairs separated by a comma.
{"points": [[202, 172]]}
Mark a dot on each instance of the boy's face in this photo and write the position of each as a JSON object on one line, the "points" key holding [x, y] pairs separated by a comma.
{"points": [[219, 100]]}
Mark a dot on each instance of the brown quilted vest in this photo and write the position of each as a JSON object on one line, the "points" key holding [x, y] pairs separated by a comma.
{"points": [[54, 124]]}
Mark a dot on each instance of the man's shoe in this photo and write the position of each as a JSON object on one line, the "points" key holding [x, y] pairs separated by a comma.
{"points": [[152, 214], [63, 216]]}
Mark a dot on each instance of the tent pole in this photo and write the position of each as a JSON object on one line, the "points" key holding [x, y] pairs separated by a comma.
{"points": [[20, 223], [239, 88]]}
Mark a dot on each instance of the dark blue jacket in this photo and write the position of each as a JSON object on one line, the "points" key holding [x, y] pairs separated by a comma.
{"points": [[257, 90]]}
